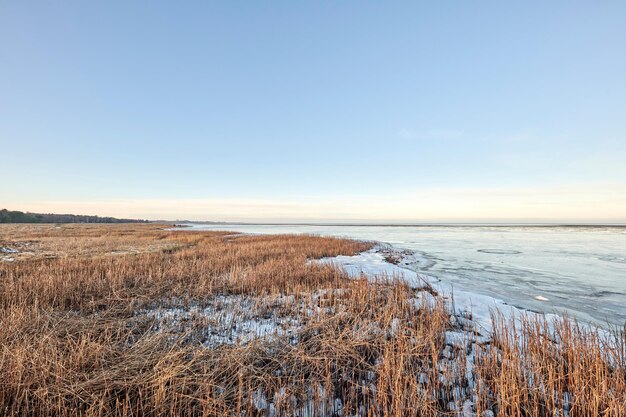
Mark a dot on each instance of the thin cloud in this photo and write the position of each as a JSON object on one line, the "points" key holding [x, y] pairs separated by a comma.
{"points": [[592, 203]]}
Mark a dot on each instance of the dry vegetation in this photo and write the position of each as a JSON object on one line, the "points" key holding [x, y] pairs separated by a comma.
{"points": [[131, 320]]}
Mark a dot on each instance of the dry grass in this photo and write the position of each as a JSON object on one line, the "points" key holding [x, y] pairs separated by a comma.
{"points": [[50, 241], [133, 320], [538, 367]]}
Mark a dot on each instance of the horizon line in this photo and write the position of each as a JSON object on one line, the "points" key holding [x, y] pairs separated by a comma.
{"points": [[391, 224]]}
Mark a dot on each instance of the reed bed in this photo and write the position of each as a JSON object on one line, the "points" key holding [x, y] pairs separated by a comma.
{"points": [[134, 320]]}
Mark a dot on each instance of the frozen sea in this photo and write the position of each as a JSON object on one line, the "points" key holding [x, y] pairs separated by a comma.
{"points": [[580, 271]]}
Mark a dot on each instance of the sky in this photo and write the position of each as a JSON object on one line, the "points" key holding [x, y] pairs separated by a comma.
{"points": [[315, 111]]}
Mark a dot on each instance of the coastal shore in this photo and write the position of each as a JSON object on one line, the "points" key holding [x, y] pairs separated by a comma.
{"points": [[137, 320]]}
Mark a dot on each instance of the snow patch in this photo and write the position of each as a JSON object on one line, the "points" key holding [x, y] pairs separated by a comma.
{"points": [[373, 264], [225, 319]]}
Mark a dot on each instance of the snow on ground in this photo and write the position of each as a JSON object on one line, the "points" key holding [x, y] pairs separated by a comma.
{"points": [[5, 250], [372, 264], [225, 319]]}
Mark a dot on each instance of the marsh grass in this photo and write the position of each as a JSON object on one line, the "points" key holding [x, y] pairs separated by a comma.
{"points": [[133, 320]]}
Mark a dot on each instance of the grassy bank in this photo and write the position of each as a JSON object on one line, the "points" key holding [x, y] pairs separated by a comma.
{"points": [[134, 320]]}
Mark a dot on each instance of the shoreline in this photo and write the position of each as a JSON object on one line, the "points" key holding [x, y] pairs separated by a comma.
{"points": [[539, 270], [471, 306], [461, 224], [467, 305]]}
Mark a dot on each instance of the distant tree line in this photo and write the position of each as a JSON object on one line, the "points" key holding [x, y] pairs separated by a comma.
{"points": [[7, 216]]}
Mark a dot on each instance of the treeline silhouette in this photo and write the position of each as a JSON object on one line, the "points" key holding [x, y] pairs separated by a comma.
{"points": [[7, 216]]}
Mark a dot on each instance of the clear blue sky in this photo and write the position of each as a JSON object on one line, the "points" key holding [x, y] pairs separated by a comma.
{"points": [[318, 110]]}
